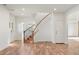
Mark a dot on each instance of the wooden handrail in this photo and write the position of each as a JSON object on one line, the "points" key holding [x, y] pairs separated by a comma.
{"points": [[38, 23], [41, 21], [28, 28]]}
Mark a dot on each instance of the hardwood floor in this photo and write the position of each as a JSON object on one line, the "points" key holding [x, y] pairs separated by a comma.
{"points": [[42, 48]]}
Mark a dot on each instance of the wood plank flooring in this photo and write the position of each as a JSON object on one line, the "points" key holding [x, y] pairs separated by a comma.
{"points": [[42, 48]]}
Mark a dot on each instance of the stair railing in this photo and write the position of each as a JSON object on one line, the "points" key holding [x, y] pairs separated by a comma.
{"points": [[33, 32], [41, 21], [28, 29]]}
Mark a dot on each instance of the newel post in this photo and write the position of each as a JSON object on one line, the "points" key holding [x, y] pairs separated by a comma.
{"points": [[32, 36]]}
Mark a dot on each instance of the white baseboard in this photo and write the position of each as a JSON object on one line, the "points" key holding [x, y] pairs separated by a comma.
{"points": [[60, 42]]}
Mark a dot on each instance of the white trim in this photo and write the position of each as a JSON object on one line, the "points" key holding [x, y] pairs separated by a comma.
{"points": [[22, 24]]}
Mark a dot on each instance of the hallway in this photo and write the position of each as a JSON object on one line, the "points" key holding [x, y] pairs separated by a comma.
{"points": [[45, 29]]}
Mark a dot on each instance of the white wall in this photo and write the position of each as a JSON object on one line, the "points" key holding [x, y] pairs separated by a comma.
{"points": [[4, 27], [53, 28], [72, 17]]}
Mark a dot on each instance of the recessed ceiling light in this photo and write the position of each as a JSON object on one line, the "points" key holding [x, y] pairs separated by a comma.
{"points": [[55, 9]]}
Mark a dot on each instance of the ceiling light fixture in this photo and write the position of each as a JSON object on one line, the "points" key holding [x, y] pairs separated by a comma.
{"points": [[54, 9]]}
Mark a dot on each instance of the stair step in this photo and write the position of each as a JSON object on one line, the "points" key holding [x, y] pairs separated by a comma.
{"points": [[29, 39]]}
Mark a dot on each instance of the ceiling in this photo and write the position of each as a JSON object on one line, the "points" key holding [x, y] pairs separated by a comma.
{"points": [[27, 9]]}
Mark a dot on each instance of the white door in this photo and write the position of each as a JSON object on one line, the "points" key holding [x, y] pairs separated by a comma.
{"points": [[59, 32]]}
